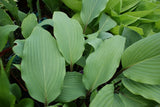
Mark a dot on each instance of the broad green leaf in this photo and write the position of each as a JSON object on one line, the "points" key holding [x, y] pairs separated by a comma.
{"points": [[147, 28], [46, 22], [127, 19], [102, 64], [146, 5], [142, 59], [106, 23], [71, 34], [26, 102], [113, 6], [131, 36], [75, 5], [28, 25], [52, 4], [4, 18], [139, 13], [117, 101], [18, 49], [137, 29], [81, 62], [4, 33], [104, 98], [72, 88], [91, 9], [127, 4], [132, 100], [7, 99], [42, 67], [16, 91], [150, 92], [105, 35]]}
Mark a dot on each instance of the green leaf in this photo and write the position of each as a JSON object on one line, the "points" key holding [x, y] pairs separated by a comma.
{"points": [[137, 29], [127, 19], [142, 59], [118, 101], [21, 15], [105, 35], [104, 98], [128, 4], [16, 91], [72, 46], [7, 99], [91, 9], [46, 22], [26, 102], [131, 36], [4, 18], [150, 92], [106, 23], [4, 33], [72, 88], [9, 65], [75, 5], [113, 6], [42, 67], [28, 25], [18, 49], [108, 56]]}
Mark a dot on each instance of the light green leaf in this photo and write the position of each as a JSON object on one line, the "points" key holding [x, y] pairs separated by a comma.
{"points": [[142, 60], [4, 18], [91, 9], [105, 35], [18, 49], [127, 19], [137, 29], [28, 24], [72, 46], [104, 98], [21, 15], [9, 65], [7, 99], [117, 101], [4, 33], [128, 4], [42, 67], [75, 5], [131, 36], [18, 66], [16, 91], [26, 102], [108, 56], [46, 22], [150, 92], [106, 23], [72, 88], [94, 42]]}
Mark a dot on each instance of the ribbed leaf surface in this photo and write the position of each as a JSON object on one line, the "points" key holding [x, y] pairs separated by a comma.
{"points": [[72, 88], [102, 64], [104, 98], [69, 36], [147, 91], [142, 60], [91, 9], [43, 68]]}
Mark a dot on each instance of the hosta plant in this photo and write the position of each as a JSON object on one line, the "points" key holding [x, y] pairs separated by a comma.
{"points": [[80, 62]]}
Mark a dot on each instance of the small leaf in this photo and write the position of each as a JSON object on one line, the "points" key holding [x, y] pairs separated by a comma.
{"points": [[131, 36], [18, 49], [104, 98], [72, 46], [28, 24], [46, 22], [108, 56], [72, 88], [4, 33], [106, 23], [91, 9], [42, 67], [9, 65], [105, 35], [150, 92], [142, 59]]}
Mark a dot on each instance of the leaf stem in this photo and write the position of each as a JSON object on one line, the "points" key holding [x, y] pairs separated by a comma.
{"points": [[85, 27]]}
